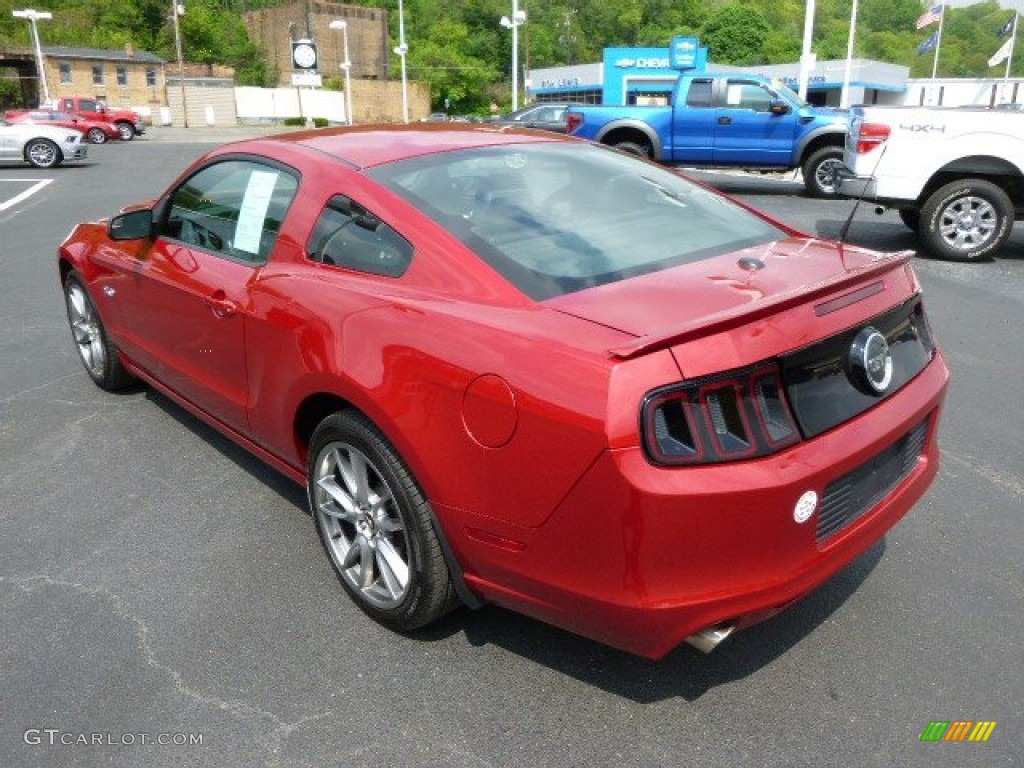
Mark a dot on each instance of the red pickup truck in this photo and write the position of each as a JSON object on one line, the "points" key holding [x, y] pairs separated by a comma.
{"points": [[127, 122]]}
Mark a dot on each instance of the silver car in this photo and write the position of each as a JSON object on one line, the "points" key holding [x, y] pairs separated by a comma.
{"points": [[42, 146]]}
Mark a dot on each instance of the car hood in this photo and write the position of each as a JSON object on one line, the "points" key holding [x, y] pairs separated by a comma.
{"points": [[668, 306]]}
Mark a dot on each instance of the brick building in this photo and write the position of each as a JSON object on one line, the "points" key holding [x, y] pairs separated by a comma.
{"points": [[273, 29], [122, 78]]}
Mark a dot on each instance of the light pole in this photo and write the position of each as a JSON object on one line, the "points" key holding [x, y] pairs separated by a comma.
{"points": [[33, 16], [401, 51], [176, 11], [844, 99], [347, 66], [517, 20]]}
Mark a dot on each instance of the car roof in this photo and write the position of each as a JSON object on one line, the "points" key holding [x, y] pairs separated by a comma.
{"points": [[367, 146]]}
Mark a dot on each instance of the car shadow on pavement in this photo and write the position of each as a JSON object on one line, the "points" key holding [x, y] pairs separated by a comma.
{"points": [[685, 672]]}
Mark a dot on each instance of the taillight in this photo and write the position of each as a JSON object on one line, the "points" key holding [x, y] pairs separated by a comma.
{"points": [[871, 136], [728, 417], [573, 120]]}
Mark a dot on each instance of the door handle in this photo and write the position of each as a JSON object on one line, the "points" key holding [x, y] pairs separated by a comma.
{"points": [[725, 120], [221, 307]]}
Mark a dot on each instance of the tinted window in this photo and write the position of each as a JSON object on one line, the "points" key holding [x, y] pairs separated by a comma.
{"points": [[347, 235], [699, 94], [233, 208], [558, 219]]}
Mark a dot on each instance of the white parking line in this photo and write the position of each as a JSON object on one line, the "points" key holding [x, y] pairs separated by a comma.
{"points": [[24, 195]]}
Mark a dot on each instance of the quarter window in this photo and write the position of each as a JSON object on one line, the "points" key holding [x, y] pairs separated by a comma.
{"points": [[347, 235], [233, 208]]}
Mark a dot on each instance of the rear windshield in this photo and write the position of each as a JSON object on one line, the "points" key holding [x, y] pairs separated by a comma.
{"points": [[558, 219]]}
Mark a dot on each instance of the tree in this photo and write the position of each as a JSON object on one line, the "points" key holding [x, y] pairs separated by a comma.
{"points": [[736, 34]]}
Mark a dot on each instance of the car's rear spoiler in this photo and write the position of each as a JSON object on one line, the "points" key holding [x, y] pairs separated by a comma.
{"points": [[671, 336]]}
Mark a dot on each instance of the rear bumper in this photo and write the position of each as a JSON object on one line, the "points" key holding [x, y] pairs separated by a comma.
{"points": [[850, 185], [641, 557]]}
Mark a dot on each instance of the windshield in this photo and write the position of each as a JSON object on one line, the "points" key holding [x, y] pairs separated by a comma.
{"points": [[558, 219]]}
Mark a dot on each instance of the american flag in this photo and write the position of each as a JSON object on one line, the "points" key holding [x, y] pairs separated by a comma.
{"points": [[930, 16]]}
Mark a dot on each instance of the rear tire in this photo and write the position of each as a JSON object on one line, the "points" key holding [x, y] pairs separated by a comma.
{"points": [[96, 136], [643, 150], [375, 525], [819, 171], [966, 220]]}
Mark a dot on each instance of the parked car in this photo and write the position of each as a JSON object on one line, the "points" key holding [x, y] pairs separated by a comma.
{"points": [[548, 117], [42, 146], [96, 131], [525, 369]]}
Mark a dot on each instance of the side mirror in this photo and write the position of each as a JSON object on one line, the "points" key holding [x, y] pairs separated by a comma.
{"points": [[133, 225], [779, 107]]}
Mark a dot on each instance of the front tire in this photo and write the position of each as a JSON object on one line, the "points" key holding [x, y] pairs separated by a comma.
{"points": [[127, 131], [97, 352], [375, 525], [43, 153], [966, 220], [911, 217], [819, 171]]}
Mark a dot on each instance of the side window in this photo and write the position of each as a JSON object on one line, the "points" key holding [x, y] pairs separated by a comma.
{"points": [[233, 208], [748, 96], [699, 93], [347, 235]]}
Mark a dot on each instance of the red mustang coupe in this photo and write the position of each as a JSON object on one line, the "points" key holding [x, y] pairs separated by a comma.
{"points": [[95, 131], [518, 368]]}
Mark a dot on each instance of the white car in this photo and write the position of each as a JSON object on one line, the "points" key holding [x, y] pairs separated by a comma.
{"points": [[42, 146]]}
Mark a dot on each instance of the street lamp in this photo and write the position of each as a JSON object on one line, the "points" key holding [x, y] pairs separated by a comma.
{"points": [[176, 11], [33, 16], [517, 20], [347, 66], [401, 51]]}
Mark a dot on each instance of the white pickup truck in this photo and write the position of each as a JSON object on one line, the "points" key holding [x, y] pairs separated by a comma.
{"points": [[955, 175]]}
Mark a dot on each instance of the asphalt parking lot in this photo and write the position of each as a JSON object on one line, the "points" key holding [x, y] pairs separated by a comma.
{"points": [[167, 603]]}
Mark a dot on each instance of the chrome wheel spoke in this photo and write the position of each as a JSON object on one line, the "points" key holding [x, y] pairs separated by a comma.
{"points": [[353, 474], [393, 569], [366, 559], [352, 556], [340, 504]]}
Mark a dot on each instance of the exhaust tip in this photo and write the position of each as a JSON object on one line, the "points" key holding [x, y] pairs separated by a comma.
{"points": [[708, 639]]}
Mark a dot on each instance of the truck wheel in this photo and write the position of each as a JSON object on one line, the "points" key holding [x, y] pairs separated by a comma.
{"points": [[634, 148], [911, 217], [966, 220], [819, 171], [96, 136], [127, 131]]}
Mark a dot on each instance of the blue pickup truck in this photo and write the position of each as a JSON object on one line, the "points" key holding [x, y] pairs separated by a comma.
{"points": [[730, 120]]}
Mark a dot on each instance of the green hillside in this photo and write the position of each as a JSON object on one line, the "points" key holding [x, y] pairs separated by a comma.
{"points": [[459, 47]]}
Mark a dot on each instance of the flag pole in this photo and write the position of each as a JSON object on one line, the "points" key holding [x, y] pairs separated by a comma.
{"points": [[1013, 44], [938, 41]]}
